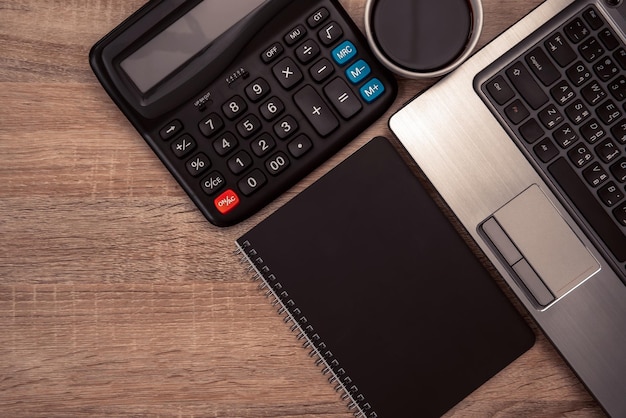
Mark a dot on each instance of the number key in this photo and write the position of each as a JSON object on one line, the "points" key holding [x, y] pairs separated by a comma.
{"points": [[252, 182], [240, 162], [225, 144], [249, 126], [272, 108], [262, 145], [258, 89], [277, 164], [211, 125], [286, 127], [234, 107]]}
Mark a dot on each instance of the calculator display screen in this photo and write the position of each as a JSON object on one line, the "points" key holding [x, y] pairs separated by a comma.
{"points": [[182, 40]]}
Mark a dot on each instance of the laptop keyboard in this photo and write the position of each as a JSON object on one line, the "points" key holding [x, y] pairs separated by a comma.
{"points": [[565, 100]]}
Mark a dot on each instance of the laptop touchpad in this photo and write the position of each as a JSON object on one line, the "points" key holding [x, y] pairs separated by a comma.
{"points": [[540, 246]]}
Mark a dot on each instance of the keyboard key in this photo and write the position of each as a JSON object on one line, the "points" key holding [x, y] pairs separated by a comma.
{"points": [[526, 85], [252, 182], [198, 164], [262, 145], [227, 201], [171, 130], [560, 50], [608, 112], [610, 194], [316, 111], [578, 74], [550, 117], [618, 88], [321, 70], [542, 66], [248, 126], [330, 34], [608, 151], [211, 125], [516, 112], [546, 150], [580, 155], [593, 93], [595, 175], [277, 164], [295, 35], [372, 90], [577, 112], [358, 71], [592, 131], [286, 127], [212, 183], [593, 19], [620, 57], [531, 131], [224, 144], [591, 49], [565, 136], [589, 207], [287, 73], [562, 92], [307, 51], [272, 108], [183, 146], [619, 170], [608, 39], [619, 131], [257, 90], [620, 214], [300, 146], [272, 53], [576, 31], [240, 162], [500, 90], [606, 69], [234, 107], [342, 98], [344, 53], [318, 17]]}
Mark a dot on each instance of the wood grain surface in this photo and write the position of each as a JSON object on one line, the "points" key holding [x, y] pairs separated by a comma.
{"points": [[117, 298]]}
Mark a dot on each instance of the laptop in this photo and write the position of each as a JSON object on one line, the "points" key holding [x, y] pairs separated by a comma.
{"points": [[526, 142]]}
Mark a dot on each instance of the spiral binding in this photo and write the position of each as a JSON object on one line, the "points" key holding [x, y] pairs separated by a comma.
{"points": [[286, 307]]}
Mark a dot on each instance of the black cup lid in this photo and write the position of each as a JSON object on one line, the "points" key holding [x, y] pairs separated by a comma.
{"points": [[422, 35]]}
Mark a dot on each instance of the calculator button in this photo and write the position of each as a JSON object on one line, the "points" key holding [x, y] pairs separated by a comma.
{"points": [[171, 130], [183, 146], [344, 53], [211, 125], [307, 51], [257, 90], [358, 71], [287, 73], [342, 98], [321, 70], [318, 17], [240, 162], [198, 164], [316, 111], [272, 53], [277, 164], [272, 108], [212, 183], [295, 35], [330, 33], [252, 182], [300, 146], [372, 90], [225, 144], [249, 126], [227, 201], [262, 145], [286, 127], [234, 107]]}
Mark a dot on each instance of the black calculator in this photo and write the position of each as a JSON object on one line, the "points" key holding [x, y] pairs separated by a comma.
{"points": [[241, 99]]}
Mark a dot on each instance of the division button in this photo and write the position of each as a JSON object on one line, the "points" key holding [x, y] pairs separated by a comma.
{"points": [[316, 111]]}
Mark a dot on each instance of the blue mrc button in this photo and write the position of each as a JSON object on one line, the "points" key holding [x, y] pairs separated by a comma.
{"points": [[372, 90], [358, 71], [344, 52]]}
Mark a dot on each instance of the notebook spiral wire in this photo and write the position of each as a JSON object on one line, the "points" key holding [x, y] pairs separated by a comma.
{"points": [[286, 307]]}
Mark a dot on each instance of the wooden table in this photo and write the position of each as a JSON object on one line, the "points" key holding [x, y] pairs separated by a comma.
{"points": [[117, 297]]}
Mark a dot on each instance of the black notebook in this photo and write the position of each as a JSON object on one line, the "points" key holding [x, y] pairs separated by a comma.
{"points": [[378, 284]]}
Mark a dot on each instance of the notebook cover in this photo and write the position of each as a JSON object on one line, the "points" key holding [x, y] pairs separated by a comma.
{"points": [[375, 279]]}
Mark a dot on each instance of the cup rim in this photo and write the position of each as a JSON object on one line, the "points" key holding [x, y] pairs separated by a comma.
{"points": [[477, 27]]}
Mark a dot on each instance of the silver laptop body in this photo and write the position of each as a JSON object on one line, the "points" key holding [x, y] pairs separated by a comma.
{"points": [[570, 277]]}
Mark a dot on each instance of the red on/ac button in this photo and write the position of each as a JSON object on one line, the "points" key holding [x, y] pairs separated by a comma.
{"points": [[227, 201]]}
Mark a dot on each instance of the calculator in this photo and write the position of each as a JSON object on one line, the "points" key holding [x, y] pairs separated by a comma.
{"points": [[242, 99]]}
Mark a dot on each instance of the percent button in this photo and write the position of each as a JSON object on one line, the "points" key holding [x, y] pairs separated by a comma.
{"points": [[198, 164]]}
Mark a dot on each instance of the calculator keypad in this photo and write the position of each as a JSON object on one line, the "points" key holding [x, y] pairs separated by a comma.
{"points": [[314, 79]]}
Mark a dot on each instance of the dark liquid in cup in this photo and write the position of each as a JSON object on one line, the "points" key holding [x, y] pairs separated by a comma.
{"points": [[422, 35]]}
